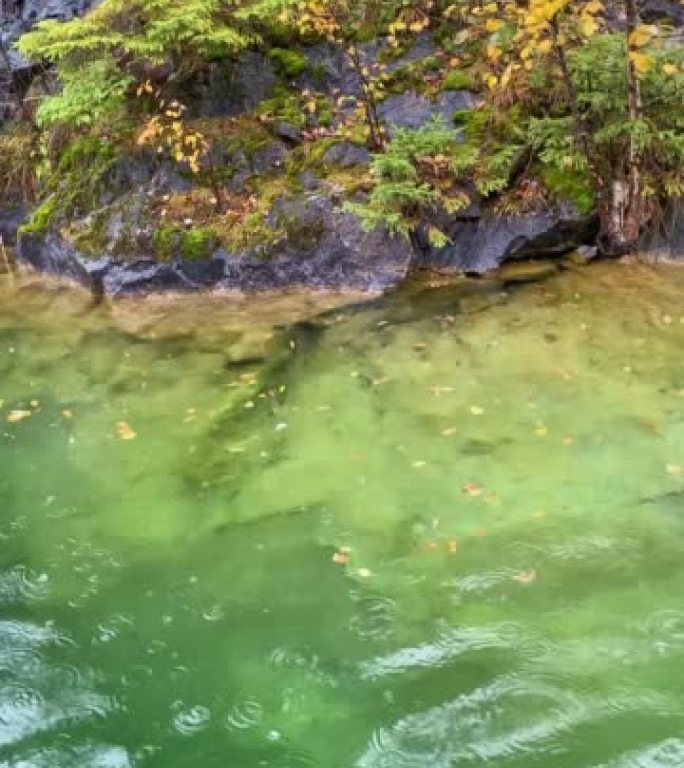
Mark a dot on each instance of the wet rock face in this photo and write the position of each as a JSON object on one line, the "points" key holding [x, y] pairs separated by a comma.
{"points": [[412, 110], [54, 255], [323, 247], [482, 244], [11, 218], [18, 16]]}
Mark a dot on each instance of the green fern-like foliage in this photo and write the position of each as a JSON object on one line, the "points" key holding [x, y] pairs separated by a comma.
{"points": [[100, 55], [599, 71]]}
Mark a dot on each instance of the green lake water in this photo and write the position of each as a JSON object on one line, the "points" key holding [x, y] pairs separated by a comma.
{"points": [[444, 529]]}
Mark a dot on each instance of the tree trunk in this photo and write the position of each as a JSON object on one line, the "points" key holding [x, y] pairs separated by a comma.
{"points": [[633, 197]]}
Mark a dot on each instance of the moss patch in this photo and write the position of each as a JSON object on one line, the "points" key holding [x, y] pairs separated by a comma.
{"points": [[459, 80], [288, 62], [569, 186]]}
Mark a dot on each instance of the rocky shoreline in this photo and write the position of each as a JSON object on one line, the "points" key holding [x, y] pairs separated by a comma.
{"points": [[121, 243]]}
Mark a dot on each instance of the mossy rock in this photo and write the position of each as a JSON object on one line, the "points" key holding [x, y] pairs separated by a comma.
{"points": [[198, 244], [569, 185], [458, 80], [289, 63], [42, 218]]}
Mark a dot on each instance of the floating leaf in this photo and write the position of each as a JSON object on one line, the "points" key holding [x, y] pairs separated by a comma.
{"points": [[476, 410], [674, 469], [448, 431], [19, 415], [125, 432], [526, 577], [472, 489], [341, 557]]}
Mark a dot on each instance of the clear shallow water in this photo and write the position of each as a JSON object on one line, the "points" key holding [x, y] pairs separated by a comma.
{"points": [[506, 472]]}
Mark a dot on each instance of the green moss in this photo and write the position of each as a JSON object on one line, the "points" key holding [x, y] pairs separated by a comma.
{"points": [[92, 239], [473, 121], [457, 80], [569, 186], [41, 219], [325, 111], [165, 240], [288, 62], [198, 244], [287, 108]]}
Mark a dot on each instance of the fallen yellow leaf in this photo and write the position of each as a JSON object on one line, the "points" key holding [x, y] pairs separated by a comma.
{"points": [[526, 577], [125, 431], [14, 416], [472, 489]]}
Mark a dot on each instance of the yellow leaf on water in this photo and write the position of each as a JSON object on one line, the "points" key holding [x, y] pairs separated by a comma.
{"points": [[67, 414], [448, 431], [15, 416], [526, 577], [472, 489], [477, 410], [124, 431], [674, 469]]}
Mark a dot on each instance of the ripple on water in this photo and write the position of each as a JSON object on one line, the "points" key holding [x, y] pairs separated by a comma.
{"points": [[21, 584], [374, 617], [190, 720], [666, 629], [665, 754], [112, 628], [511, 717], [451, 643], [99, 756], [244, 715]]}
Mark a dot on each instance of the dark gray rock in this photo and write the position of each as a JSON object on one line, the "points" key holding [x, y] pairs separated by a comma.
{"points": [[53, 255], [231, 87], [663, 10], [412, 110], [479, 246], [346, 155], [11, 218], [324, 247], [148, 275], [665, 240], [288, 132]]}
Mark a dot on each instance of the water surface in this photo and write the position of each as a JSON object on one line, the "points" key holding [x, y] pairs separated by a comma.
{"points": [[439, 530]]}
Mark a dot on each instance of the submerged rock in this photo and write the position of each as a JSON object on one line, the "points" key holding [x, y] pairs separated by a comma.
{"points": [[526, 271]]}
